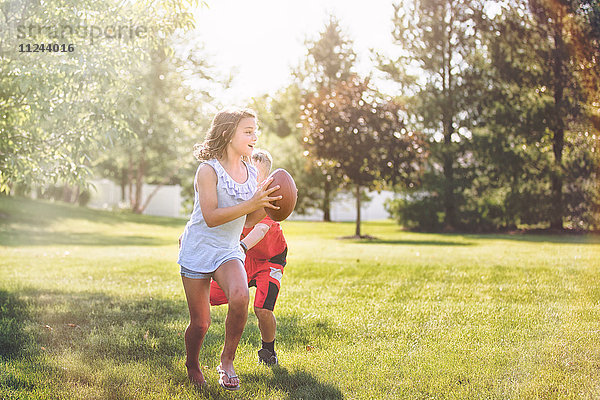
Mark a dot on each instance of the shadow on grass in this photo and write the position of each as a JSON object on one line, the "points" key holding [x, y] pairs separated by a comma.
{"points": [[542, 238], [13, 314], [104, 326], [297, 384], [410, 242], [99, 329], [531, 238], [469, 238], [293, 330], [24, 237], [18, 343], [42, 213]]}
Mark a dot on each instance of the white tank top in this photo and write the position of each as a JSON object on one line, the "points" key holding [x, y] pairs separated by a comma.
{"points": [[204, 249]]}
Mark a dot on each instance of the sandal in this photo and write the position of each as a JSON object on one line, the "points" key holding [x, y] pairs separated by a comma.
{"points": [[222, 374]]}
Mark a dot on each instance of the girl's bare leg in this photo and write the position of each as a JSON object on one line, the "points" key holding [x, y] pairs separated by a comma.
{"points": [[197, 292], [231, 276]]}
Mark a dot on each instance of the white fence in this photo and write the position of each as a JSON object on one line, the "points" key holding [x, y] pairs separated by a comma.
{"points": [[168, 200], [344, 209]]}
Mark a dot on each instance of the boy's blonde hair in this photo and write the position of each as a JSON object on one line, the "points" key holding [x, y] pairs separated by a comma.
{"points": [[221, 131], [264, 158]]}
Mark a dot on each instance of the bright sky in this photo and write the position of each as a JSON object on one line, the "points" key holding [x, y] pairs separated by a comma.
{"points": [[260, 40]]}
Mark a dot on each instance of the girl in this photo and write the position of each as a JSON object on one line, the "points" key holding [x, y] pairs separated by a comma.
{"points": [[225, 191]]}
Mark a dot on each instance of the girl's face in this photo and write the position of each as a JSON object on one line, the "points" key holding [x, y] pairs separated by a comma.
{"points": [[245, 137]]}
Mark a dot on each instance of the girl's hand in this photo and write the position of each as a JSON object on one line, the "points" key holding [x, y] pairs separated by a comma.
{"points": [[261, 198]]}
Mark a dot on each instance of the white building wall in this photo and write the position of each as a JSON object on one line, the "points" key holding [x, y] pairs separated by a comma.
{"points": [[344, 209], [104, 194], [166, 202]]}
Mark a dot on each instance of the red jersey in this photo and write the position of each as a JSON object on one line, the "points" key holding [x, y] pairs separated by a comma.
{"points": [[264, 267], [271, 245]]}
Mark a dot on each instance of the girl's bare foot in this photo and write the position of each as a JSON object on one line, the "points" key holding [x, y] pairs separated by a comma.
{"points": [[196, 376]]}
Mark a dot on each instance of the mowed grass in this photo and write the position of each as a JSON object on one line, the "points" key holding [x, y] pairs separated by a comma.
{"points": [[92, 307]]}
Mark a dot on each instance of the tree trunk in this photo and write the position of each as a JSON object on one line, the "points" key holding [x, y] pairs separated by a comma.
{"points": [[76, 194], [357, 231], [130, 180], [327, 202], [124, 181], [448, 158], [450, 212], [448, 128], [558, 139], [157, 188], [139, 183], [67, 193]]}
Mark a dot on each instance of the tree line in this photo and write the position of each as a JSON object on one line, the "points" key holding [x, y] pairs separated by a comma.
{"points": [[501, 99], [494, 124]]}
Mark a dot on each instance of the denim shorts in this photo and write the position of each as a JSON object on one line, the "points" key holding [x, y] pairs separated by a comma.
{"points": [[188, 273]]}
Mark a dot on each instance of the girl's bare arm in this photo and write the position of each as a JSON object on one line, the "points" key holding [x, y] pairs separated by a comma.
{"points": [[206, 184]]}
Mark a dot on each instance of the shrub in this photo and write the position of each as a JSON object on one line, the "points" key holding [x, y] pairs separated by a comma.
{"points": [[421, 214]]}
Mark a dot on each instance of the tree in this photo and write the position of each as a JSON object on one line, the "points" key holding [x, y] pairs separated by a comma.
{"points": [[438, 40], [330, 60], [281, 133], [508, 104], [535, 144], [583, 27], [59, 107], [551, 21], [168, 115], [362, 137], [509, 163]]}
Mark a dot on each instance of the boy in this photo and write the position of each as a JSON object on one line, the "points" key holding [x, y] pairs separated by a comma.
{"points": [[266, 251]]}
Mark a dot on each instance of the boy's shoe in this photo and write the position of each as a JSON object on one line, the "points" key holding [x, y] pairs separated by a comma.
{"points": [[265, 356]]}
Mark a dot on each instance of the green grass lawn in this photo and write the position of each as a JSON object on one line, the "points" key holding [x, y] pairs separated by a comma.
{"points": [[92, 307]]}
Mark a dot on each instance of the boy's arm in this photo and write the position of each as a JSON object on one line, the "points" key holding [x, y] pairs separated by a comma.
{"points": [[255, 235], [255, 217]]}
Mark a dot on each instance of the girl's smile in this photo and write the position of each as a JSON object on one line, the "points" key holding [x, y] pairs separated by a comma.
{"points": [[245, 137]]}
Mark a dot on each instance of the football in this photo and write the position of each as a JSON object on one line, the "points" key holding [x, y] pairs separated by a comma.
{"points": [[287, 189]]}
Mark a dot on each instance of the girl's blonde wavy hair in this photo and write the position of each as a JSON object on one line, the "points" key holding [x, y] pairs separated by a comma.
{"points": [[221, 131]]}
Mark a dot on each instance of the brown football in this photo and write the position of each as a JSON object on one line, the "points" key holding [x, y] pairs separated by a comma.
{"points": [[287, 189]]}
